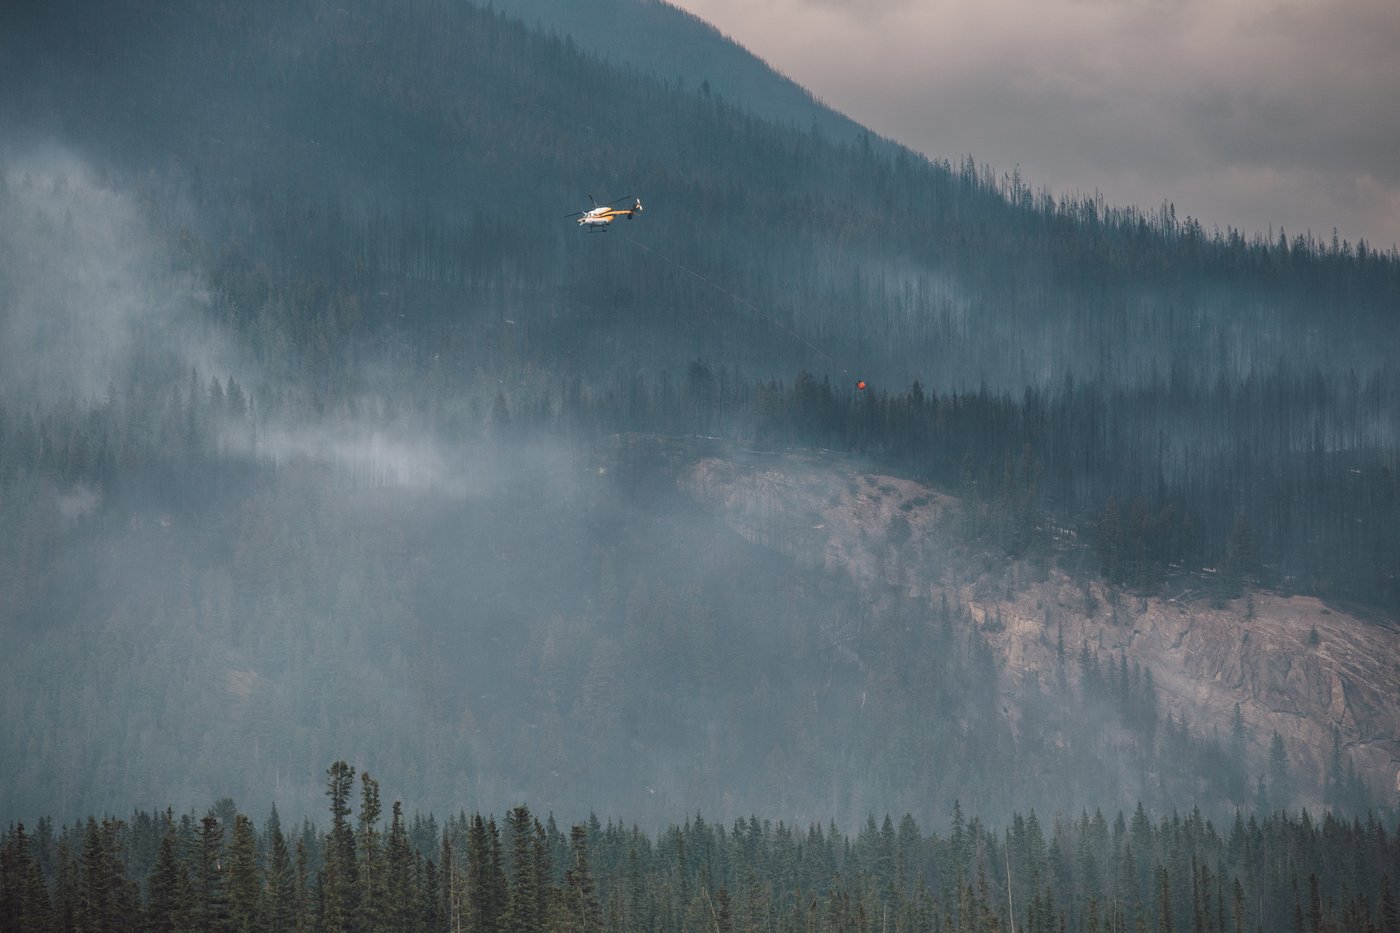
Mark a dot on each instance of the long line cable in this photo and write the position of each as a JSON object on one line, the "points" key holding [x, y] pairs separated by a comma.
{"points": [[738, 299]]}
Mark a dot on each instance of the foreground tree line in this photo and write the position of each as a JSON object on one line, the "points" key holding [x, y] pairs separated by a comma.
{"points": [[1178, 872]]}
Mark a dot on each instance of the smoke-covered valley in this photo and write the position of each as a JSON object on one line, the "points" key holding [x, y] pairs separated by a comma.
{"points": [[325, 434]]}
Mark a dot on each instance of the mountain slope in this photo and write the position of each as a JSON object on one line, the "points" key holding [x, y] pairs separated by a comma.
{"points": [[665, 41], [445, 144], [1291, 665], [326, 433]]}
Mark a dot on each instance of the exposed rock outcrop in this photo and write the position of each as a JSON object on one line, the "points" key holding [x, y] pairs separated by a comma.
{"points": [[1293, 664]]}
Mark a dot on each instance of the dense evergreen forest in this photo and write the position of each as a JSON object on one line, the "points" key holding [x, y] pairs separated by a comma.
{"points": [[1092, 873], [395, 176], [307, 417]]}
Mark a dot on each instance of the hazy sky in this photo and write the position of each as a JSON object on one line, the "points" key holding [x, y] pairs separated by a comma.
{"points": [[1247, 113]]}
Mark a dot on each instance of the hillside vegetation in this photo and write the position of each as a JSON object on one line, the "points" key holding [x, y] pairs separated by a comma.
{"points": [[313, 397]]}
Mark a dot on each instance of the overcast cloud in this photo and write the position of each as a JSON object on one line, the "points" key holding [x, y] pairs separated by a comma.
{"points": [[1247, 113]]}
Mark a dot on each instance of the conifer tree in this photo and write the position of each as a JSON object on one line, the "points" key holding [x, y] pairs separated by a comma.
{"points": [[1314, 904], [486, 886], [244, 884], [430, 897], [337, 880], [94, 892], [1164, 902], [65, 894], [106, 899], [451, 884], [283, 891], [11, 888], [370, 853], [579, 909], [38, 912], [305, 915], [522, 899], [24, 900], [958, 840], [495, 876], [1388, 914], [401, 879], [210, 905], [544, 871], [168, 897]]}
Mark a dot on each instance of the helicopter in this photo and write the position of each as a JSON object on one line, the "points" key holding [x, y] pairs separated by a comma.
{"points": [[603, 214]]}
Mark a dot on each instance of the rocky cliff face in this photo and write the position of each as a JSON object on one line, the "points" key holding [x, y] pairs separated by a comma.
{"points": [[1293, 664]]}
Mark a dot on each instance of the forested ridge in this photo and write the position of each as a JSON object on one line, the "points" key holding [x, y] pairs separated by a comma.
{"points": [[1093, 873], [309, 385], [355, 177]]}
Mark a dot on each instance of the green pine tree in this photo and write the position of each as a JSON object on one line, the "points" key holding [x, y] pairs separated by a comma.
{"points": [[451, 884], [430, 897], [244, 883], [401, 880], [168, 887], [1387, 912], [486, 885], [578, 908], [24, 901], [106, 899], [305, 914], [209, 904], [370, 852], [523, 895], [337, 880], [281, 905], [65, 893]]}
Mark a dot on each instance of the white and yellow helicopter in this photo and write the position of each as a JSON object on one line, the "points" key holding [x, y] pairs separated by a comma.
{"points": [[601, 215]]}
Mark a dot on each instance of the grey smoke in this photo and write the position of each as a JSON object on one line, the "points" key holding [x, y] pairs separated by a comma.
{"points": [[85, 284]]}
